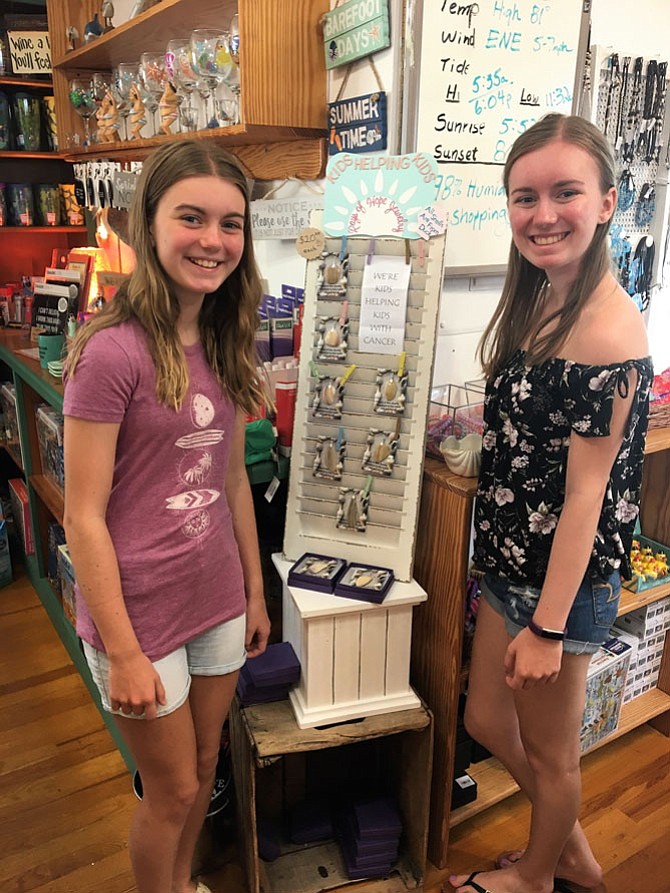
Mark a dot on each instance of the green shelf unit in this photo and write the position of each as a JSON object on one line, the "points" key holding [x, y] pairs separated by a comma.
{"points": [[33, 386]]}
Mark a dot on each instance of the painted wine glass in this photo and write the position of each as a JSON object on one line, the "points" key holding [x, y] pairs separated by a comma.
{"points": [[209, 58], [82, 97]]}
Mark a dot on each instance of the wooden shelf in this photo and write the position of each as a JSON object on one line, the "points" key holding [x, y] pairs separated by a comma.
{"points": [[49, 493], [657, 439], [282, 78], [27, 156], [43, 229], [10, 81], [494, 783], [629, 600]]}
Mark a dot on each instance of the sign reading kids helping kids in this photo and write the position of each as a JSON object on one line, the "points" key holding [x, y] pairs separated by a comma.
{"points": [[382, 195]]}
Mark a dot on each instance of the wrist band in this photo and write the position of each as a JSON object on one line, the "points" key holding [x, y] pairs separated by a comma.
{"points": [[556, 634]]}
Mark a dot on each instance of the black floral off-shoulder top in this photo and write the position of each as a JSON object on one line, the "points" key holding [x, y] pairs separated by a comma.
{"points": [[530, 414]]}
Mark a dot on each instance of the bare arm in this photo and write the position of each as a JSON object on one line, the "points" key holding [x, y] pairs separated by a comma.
{"points": [[238, 494], [90, 449]]}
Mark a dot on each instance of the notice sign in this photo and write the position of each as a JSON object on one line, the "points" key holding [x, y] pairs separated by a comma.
{"points": [[282, 218], [355, 29], [384, 305], [358, 124], [30, 52]]}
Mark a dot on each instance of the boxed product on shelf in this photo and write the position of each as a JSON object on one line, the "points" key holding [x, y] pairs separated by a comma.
{"points": [[67, 581], [650, 564], [18, 493], [5, 558], [12, 432], [605, 684], [55, 538], [50, 441], [651, 619]]}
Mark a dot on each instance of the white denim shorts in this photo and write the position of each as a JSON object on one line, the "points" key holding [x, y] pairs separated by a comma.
{"points": [[216, 652]]}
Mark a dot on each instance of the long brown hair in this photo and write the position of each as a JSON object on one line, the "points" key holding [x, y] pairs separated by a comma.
{"points": [[518, 316], [228, 317]]}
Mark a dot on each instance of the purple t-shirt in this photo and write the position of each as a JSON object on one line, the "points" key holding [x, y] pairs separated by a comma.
{"points": [[167, 513]]}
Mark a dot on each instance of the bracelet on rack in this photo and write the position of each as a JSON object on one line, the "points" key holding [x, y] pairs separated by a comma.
{"points": [[556, 634]]}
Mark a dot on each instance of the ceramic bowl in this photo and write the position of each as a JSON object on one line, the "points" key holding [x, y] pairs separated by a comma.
{"points": [[463, 456]]}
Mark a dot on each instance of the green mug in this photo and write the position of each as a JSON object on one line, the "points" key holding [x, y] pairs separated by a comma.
{"points": [[50, 348]]}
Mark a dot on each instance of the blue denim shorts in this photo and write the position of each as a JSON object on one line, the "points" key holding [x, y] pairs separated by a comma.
{"points": [[216, 652], [593, 611]]}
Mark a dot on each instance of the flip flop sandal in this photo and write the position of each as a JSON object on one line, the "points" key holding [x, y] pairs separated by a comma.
{"points": [[470, 882]]}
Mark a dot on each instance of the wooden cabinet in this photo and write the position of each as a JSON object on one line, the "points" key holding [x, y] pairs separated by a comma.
{"points": [[27, 249], [441, 566], [34, 386], [282, 77]]}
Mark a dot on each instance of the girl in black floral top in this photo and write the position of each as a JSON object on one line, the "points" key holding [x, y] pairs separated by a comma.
{"points": [[565, 420]]}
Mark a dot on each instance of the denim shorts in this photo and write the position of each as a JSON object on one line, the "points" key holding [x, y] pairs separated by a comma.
{"points": [[216, 652], [593, 611]]}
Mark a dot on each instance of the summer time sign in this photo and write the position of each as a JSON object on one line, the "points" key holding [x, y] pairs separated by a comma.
{"points": [[383, 195]]}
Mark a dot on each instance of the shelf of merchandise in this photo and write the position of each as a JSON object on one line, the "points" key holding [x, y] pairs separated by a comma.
{"points": [[438, 673], [34, 386], [25, 156], [282, 77]]}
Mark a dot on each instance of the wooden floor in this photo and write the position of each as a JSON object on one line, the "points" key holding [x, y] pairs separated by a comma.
{"points": [[66, 800]]}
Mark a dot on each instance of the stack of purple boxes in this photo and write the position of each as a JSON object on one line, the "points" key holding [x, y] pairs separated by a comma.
{"points": [[369, 837], [269, 676]]}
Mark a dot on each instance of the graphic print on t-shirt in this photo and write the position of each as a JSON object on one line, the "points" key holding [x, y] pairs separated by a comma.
{"points": [[195, 468]]}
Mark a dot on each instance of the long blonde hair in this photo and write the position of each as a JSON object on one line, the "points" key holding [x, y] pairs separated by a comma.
{"points": [[518, 316], [228, 317]]}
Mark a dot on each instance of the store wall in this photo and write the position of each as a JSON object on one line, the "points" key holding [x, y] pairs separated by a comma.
{"points": [[467, 303]]}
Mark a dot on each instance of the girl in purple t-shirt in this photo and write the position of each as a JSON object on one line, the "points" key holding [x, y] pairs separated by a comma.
{"points": [[158, 512]]}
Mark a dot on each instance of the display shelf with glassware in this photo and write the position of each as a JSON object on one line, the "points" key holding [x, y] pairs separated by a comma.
{"points": [[30, 204], [438, 672], [281, 91], [34, 387]]}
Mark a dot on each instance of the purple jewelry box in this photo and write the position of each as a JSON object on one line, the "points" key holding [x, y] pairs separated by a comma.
{"points": [[278, 664], [249, 694], [377, 819], [319, 572], [365, 583], [353, 871], [311, 821], [381, 848]]}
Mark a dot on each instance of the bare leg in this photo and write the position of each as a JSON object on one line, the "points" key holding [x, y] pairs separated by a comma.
{"points": [[165, 753], [491, 718], [209, 698]]}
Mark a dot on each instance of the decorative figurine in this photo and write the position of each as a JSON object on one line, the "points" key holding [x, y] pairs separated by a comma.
{"points": [[107, 13], [137, 116], [140, 6], [92, 29], [72, 36], [168, 108], [108, 119]]}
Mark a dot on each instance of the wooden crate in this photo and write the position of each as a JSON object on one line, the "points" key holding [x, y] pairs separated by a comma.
{"points": [[276, 764]]}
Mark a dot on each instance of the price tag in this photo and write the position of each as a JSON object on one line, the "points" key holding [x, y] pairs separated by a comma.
{"points": [[310, 243], [272, 489]]}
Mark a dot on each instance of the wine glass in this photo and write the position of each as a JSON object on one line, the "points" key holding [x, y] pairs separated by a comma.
{"points": [[234, 48], [82, 97], [183, 78], [101, 84], [152, 82], [127, 74], [209, 56]]}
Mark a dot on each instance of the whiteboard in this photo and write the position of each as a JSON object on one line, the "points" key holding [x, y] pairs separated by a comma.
{"points": [[480, 74]]}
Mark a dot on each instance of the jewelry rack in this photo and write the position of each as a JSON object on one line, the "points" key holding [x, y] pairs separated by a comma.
{"points": [[630, 107], [389, 535]]}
